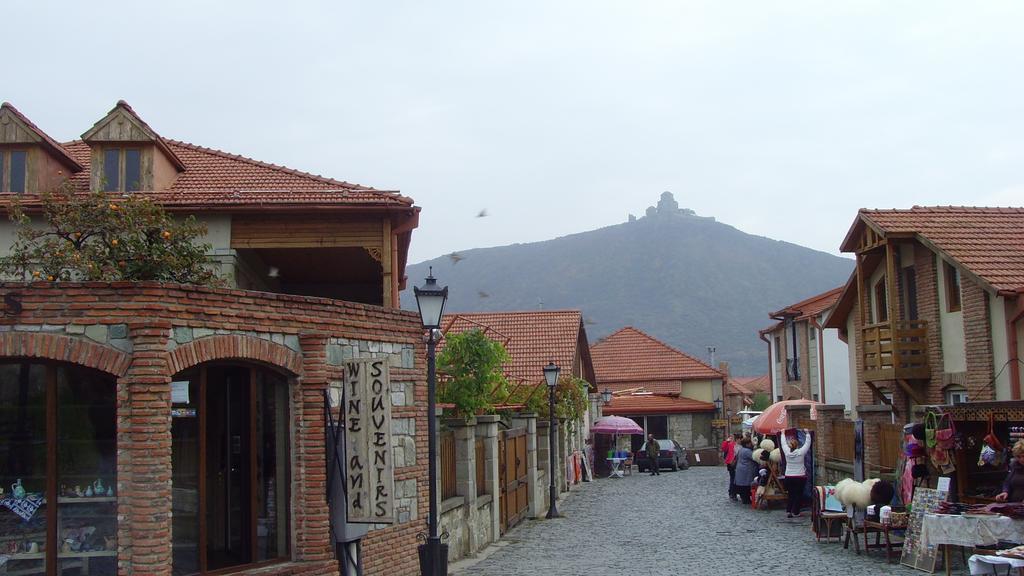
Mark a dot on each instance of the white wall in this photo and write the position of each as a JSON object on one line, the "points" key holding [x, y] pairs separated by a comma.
{"points": [[1000, 353], [851, 349], [776, 377], [836, 361], [954, 349]]}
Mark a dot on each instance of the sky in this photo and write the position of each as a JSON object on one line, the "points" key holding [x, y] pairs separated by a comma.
{"points": [[557, 117]]}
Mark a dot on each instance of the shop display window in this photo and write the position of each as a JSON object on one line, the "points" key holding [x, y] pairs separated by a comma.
{"points": [[230, 438], [58, 465]]}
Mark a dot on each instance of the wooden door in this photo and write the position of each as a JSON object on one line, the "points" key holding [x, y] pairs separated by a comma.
{"points": [[514, 493]]}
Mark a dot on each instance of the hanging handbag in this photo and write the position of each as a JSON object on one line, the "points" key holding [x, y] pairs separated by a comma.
{"points": [[930, 425], [945, 438], [991, 439]]}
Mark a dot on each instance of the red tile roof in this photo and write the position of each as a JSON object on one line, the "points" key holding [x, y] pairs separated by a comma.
{"points": [[987, 242], [748, 386], [630, 355], [655, 404], [214, 179], [812, 306], [55, 147], [659, 387], [531, 338]]}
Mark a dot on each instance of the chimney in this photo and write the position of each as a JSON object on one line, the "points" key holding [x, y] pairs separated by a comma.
{"points": [[723, 367]]}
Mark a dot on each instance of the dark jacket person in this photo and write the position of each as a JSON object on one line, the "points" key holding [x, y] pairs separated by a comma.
{"points": [[652, 454]]}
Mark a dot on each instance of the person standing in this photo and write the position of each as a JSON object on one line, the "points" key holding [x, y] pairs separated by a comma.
{"points": [[745, 470], [1013, 485], [796, 472], [652, 454], [729, 457]]}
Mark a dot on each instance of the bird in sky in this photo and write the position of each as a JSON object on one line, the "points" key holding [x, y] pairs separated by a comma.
{"points": [[482, 213], [589, 321], [482, 294], [456, 258]]}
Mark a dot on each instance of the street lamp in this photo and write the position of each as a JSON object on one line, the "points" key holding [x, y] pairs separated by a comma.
{"points": [[430, 301], [606, 396], [718, 407], [551, 376]]}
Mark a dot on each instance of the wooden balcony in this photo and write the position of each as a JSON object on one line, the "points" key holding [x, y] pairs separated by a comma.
{"points": [[895, 351]]}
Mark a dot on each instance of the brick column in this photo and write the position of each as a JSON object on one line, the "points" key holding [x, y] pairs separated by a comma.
{"points": [[529, 421], [794, 414], [487, 428], [144, 454], [873, 416], [824, 440], [312, 516]]}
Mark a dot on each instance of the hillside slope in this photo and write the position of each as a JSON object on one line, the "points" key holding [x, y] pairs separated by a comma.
{"points": [[690, 281]]}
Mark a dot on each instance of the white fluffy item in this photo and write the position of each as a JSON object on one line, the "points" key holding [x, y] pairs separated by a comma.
{"points": [[849, 491], [776, 455], [756, 456], [768, 444]]}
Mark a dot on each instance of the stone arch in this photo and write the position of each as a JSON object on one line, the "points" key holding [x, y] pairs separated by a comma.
{"points": [[63, 348], [234, 347]]}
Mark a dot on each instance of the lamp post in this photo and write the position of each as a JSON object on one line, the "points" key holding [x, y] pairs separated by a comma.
{"points": [[718, 411], [551, 376], [430, 301], [606, 396]]}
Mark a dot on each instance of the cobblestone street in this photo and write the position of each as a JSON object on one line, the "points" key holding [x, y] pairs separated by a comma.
{"points": [[676, 523]]}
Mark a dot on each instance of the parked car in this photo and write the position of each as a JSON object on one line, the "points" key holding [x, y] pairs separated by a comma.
{"points": [[670, 455]]}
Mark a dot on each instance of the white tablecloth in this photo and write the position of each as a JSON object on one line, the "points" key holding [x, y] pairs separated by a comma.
{"points": [[987, 564], [939, 529]]}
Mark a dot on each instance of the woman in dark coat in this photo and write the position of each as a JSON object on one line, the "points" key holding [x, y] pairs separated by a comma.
{"points": [[1013, 486], [746, 469]]}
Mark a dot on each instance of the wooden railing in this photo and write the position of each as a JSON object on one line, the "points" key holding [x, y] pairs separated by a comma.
{"points": [[842, 438], [481, 469], [895, 353], [890, 438], [448, 469]]}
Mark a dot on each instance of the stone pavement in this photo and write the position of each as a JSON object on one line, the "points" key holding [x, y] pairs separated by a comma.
{"points": [[676, 523]]}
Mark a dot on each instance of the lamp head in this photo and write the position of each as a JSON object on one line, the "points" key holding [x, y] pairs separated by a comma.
{"points": [[430, 299], [551, 374]]}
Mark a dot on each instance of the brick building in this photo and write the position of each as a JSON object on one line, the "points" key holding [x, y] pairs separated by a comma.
{"points": [[807, 360], [171, 429], [934, 313]]}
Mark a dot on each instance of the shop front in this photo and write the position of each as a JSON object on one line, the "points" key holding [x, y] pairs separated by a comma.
{"points": [[177, 430]]}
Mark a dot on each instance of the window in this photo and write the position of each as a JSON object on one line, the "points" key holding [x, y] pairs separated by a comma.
{"points": [[792, 358], [952, 277], [812, 333], [956, 395], [885, 396], [881, 302], [229, 462], [778, 350], [122, 169], [13, 170], [910, 292], [58, 446]]}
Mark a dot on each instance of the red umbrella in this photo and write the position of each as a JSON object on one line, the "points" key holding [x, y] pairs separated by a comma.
{"points": [[774, 419]]}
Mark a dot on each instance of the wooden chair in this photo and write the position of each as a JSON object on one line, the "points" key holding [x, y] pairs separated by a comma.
{"points": [[825, 519]]}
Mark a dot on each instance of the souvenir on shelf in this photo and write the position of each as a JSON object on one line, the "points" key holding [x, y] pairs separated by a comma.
{"points": [[17, 490]]}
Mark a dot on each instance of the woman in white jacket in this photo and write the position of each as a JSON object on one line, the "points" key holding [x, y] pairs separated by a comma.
{"points": [[796, 473]]}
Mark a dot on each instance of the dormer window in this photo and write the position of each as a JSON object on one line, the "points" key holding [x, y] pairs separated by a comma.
{"points": [[122, 169], [13, 170]]}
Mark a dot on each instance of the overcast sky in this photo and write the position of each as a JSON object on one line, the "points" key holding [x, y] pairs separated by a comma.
{"points": [[780, 118]]}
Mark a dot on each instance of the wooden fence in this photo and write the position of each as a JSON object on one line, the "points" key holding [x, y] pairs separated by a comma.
{"points": [[890, 438], [842, 437], [481, 468], [448, 469]]}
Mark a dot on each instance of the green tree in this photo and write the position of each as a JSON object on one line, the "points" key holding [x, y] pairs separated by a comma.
{"points": [[570, 399], [471, 364], [106, 237], [761, 401]]}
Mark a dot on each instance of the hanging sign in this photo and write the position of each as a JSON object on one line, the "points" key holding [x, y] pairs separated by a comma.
{"points": [[719, 423], [369, 478]]}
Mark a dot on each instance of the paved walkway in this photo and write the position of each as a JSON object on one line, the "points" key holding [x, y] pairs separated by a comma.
{"points": [[676, 523]]}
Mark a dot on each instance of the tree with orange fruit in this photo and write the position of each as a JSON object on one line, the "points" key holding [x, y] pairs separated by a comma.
{"points": [[102, 236]]}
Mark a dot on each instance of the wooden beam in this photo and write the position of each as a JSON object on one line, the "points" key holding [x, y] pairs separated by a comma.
{"points": [[385, 266], [911, 391]]}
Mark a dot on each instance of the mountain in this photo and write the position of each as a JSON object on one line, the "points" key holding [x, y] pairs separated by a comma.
{"points": [[688, 280]]}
